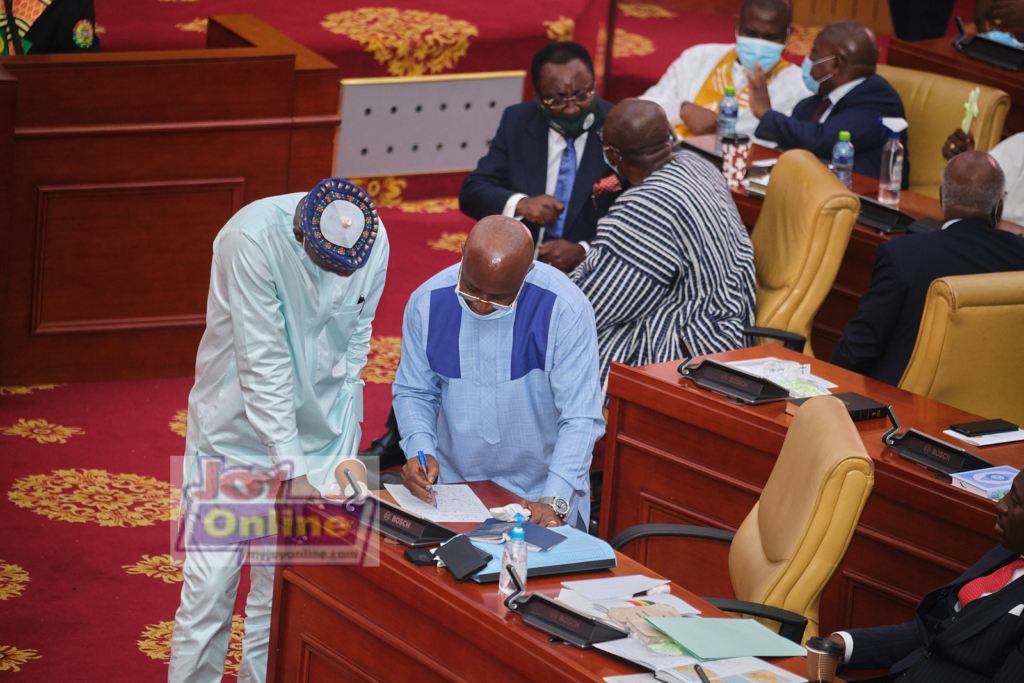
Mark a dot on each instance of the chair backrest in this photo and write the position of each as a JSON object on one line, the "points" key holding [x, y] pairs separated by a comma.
{"points": [[968, 352], [874, 14], [799, 241], [934, 108], [789, 545]]}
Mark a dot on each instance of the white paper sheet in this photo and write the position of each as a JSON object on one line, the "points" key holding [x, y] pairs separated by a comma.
{"points": [[581, 604], [988, 439], [755, 366], [684, 608], [731, 669], [455, 503], [632, 678], [638, 653], [614, 587]]}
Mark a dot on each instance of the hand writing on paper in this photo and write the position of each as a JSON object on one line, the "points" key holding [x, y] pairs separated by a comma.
{"points": [[414, 480]]}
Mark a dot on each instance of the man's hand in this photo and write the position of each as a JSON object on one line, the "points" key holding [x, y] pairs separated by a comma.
{"points": [[957, 143], [838, 640], [541, 513], [760, 102], [1006, 13], [699, 120], [562, 254], [542, 210], [415, 481], [299, 491]]}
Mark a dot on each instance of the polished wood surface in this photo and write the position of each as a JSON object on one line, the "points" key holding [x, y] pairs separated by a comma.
{"points": [[398, 622], [938, 56], [120, 170], [680, 454]]}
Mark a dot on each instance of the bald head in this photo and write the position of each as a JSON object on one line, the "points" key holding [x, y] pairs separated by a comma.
{"points": [[972, 187], [640, 136], [495, 260], [854, 42]]}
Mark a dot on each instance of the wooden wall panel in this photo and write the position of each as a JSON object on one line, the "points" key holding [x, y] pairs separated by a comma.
{"points": [[874, 14], [82, 284]]}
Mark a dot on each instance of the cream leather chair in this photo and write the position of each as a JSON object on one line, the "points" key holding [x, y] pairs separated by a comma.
{"points": [[791, 542], [799, 241], [970, 346], [934, 109]]}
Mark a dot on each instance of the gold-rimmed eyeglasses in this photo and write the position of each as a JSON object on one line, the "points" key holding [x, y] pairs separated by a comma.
{"points": [[581, 97]]}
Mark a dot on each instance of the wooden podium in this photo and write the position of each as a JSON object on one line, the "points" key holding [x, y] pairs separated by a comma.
{"points": [[680, 454], [118, 171]]}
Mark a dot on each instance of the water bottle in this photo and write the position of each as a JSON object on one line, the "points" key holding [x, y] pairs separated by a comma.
{"points": [[515, 554], [728, 110], [890, 176], [842, 160]]}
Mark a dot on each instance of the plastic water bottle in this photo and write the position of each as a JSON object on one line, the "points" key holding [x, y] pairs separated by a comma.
{"points": [[890, 176], [515, 554], [728, 110], [842, 160]]}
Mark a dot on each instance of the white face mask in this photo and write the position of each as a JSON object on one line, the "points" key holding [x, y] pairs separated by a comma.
{"points": [[493, 315]]}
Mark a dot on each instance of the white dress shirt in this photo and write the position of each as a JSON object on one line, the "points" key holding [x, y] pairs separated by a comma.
{"points": [[556, 145], [1010, 155], [836, 95], [686, 76], [1016, 611]]}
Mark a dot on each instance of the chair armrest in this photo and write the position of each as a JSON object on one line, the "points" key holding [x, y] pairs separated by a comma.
{"points": [[792, 624], [791, 340], [635, 533]]}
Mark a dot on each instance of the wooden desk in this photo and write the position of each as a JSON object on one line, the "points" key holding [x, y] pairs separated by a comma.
{"points": [[680, 454], [939, 57], [397, 622], [119, 170]]}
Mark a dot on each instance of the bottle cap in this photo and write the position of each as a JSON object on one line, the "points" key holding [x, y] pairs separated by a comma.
{"points": [[729, 90], [518, 534], [844, 136]]}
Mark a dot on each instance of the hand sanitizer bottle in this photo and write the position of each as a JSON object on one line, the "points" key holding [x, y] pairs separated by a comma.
{"points": [[515, 554]]}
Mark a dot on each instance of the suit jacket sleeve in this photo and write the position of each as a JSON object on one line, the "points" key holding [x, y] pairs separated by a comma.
{"points": [[883, 646], [486, 190], [866, 337], [1013, 667], [860, 119]]}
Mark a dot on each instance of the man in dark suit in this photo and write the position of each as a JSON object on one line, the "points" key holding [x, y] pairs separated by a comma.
{"points": [[546, 157], [968, 631], [849, 96], [879, 341]]}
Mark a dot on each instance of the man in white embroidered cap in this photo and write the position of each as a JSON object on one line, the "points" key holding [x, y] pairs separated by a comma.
{"points": [[295, 284]]}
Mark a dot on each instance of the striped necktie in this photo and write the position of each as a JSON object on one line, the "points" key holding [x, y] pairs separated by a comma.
{"points": [[989, 584], [563, 188]]}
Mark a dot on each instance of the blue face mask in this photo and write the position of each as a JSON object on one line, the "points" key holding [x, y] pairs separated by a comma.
{"points": [[494, 315], [754, 51], [809, 81], [612, 166]]}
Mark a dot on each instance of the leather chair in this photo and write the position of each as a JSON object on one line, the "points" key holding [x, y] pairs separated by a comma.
{"points": [[799, 241], [793, 539], [874, 14], [969, 346], [934, 109]]}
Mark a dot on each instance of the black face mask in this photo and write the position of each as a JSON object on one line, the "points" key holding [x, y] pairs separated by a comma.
{"points": [[574, 125]]}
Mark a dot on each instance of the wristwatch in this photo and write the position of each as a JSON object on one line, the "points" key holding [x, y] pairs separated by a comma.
{"points": [[558, 504]]}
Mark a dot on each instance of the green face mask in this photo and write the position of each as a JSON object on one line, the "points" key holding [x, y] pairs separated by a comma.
{"points": [[574, 125]]}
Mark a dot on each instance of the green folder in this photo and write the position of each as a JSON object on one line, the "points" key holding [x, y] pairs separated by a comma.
{"points": [[725, 638]]}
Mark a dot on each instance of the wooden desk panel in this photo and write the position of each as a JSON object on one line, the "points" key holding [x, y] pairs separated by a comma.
{"points": [[397, 622], [939, 57], [680, 454]]}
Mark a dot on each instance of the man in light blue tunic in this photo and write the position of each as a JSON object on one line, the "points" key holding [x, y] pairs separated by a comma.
{"points": [[295, 284], [499, 377]]}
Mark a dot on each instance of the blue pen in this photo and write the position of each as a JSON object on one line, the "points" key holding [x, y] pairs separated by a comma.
{"points": [[423, 464]]}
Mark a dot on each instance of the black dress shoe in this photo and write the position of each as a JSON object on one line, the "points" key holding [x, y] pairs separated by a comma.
{"points": [[385, 450]]}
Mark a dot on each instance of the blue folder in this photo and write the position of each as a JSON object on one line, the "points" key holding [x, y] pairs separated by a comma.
{"points": [[580, 552]]}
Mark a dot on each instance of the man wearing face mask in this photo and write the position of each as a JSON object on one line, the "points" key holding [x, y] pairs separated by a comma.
{"points": [[691, 89], [879, 341], [499, 377], [544, 160], [672, 258], [848, 96]]}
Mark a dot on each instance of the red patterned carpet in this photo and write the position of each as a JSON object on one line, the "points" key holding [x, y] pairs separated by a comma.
{"points": [[87, 589]]}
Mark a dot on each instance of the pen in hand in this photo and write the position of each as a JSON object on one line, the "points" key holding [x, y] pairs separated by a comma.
{"points": [[423, 464], [700, 672]]}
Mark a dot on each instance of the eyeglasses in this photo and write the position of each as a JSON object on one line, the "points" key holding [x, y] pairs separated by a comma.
{"points": [[470, 298], [582, 97], [600, 136]]}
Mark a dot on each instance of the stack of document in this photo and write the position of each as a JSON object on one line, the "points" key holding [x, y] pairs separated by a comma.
{"points": [[738, 670], [709, 639], [579, 552]]}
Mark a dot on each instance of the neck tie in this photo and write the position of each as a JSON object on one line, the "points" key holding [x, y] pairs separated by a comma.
{"points": [[563, 188], [820, 111], [989, 584]]}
